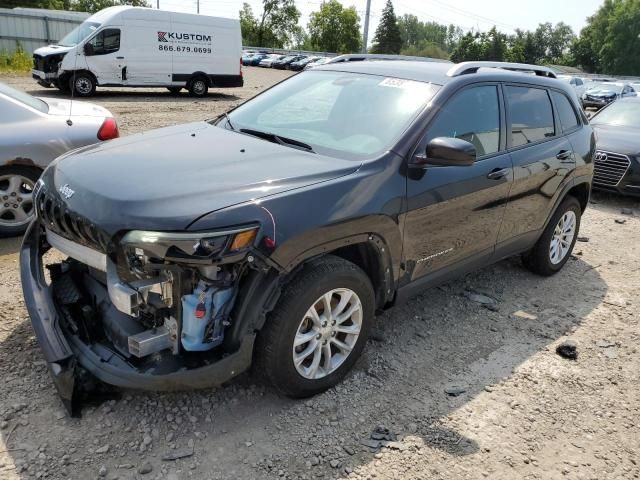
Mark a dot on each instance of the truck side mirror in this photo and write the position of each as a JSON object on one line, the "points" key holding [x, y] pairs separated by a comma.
{"points": [[446, 152], [88, 49]]}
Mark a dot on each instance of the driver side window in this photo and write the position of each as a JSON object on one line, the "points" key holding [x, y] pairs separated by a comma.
{"points": [[472, 115], [105, 42]]}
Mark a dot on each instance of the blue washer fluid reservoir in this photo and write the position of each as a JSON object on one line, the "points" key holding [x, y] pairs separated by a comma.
{"points": [[194, 323]]}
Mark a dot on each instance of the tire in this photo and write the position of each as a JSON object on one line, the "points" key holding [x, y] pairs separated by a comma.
{"points": [[198, 87], [275, 343], [174, 90], [16, 204], [541, 259], [82, 84]]}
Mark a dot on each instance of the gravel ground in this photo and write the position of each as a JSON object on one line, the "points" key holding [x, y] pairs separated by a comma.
{"points": [[519, 410]]}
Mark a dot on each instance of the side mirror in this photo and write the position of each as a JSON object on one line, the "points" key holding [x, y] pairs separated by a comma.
{"points": [[446, 152], [88, 49]]}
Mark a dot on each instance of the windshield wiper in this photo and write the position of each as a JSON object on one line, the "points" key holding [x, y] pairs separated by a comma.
{"points": [[272, 137], [226, 117]]}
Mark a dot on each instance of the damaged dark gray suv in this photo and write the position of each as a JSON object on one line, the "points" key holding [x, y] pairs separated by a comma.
{"points": [[272, 234]]}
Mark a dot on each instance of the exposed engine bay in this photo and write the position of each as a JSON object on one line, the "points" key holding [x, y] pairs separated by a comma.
{"points": [[160, 301]]}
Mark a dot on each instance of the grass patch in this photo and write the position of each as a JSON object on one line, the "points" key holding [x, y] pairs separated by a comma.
{"points": [[16, 62]]}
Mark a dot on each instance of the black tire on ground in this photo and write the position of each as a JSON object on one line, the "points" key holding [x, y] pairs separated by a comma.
{"points": [[174, 90], [274, 347], [538, 259], [83, 84], [29, 173], [198, 86]]}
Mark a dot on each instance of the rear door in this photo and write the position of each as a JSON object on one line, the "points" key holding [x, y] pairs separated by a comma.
{"points": [[454, 212], [542, 160]]}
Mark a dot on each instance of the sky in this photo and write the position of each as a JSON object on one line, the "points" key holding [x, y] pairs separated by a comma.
{"points": [[481, 15]]}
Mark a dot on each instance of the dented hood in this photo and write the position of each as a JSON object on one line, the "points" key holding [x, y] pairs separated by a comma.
{"points": [[167, 178]]}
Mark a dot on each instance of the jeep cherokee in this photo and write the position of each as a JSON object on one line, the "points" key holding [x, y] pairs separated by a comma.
{"points": [[272, 234]]}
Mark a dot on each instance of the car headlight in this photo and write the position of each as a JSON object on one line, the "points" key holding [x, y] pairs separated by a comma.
{"points": [[191, 245]]}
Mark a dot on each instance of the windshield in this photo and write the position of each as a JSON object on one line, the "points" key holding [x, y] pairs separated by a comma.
{"points": [[347, 115], [24, 98], [78, 34], [621, 113], [612, 87]]}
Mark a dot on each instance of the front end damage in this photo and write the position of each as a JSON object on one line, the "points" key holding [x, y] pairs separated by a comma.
{"points": [[144, 310]]}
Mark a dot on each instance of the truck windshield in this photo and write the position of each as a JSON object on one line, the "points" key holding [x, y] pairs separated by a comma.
{"points": [[348, 115], [24, 98], [78, 34]]}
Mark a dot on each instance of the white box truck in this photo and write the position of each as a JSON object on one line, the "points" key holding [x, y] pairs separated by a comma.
{"points": [[142, 47]]}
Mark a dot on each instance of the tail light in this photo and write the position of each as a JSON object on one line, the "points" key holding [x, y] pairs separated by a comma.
{"points": [[108, 130]]}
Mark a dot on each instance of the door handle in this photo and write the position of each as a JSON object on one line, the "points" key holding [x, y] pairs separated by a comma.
{"points": [[564, 154], [498, 173], [120, 58]]}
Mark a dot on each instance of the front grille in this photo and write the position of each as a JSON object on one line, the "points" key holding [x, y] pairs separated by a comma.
{"points": [[58, 218], [38, 63], [609, 168]]}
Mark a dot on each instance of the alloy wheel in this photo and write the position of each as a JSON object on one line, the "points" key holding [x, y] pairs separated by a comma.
{"points": [[327, 333], [16, 200], [562, 238]]}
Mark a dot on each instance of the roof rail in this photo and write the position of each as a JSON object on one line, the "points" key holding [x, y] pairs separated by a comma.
{"points": [[356, 57], [472, 67]]}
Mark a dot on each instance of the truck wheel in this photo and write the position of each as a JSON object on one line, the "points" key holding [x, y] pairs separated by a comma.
{"points": [[83, 84], [198, 87], [318, 328], [16, 199], [554, 247], [174, 90]]}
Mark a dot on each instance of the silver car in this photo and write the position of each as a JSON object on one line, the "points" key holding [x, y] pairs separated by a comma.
{"points": [[34, 131]]}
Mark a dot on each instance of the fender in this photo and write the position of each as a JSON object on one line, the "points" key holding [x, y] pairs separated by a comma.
{"points": [[574, 182]]}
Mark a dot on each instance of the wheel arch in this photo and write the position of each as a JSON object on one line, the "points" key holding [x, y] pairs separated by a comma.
{"points": [[199, 74], [579, 188]]}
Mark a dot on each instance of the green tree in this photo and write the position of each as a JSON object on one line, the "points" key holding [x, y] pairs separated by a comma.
{"points": [[248, 25], [278, 23], [334, 28], [387, 38], [429, 39]]}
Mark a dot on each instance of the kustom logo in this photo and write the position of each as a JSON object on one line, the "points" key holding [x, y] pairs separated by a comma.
{"points": [[188, 37], [162, 37]]}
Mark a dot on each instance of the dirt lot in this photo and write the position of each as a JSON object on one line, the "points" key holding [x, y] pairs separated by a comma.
{"points": [[522, 410]]}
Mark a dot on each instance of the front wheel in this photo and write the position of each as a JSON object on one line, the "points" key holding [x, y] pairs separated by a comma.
{"points": [[554, 247], [318, 329], [16, 199], [82, 84]]}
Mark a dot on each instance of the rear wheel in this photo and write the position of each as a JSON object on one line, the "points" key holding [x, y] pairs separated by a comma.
{"points": [[318, 329], [16, 199], [83, 84], [554, 247], [174, 90], [198, 87]]}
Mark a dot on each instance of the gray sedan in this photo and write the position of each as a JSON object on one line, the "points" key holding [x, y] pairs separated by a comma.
{"points": [[33, 132]]}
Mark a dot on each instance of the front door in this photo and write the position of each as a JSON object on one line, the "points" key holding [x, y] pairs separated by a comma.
{"points": [[104, 57], [454, 213]]}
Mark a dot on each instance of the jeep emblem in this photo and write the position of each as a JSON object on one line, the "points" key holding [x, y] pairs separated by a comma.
{"points": [[66, 192]]}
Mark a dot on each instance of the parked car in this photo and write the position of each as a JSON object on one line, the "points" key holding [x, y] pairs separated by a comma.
{"points": [[256, 59], [317, 62], [34, 131], [142, 47], [300, 64], [577, 83], [292, 219], [267, 62], [601, 94], [283, 63], [617, 158]]}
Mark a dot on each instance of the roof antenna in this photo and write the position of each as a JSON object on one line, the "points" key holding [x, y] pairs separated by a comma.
{"points": [[73, 86]]}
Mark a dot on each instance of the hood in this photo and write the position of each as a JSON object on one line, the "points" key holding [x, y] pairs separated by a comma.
{"points": [[167, 178], [75, 108], [601, 92], [52, 50], [617, 139]]}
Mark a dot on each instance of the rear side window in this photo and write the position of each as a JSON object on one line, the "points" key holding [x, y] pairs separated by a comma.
{"points": [[472, 115], [530, 114], [566, 113]]}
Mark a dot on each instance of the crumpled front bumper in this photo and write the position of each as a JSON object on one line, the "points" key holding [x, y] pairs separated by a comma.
{"points": [[65, 352]]}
